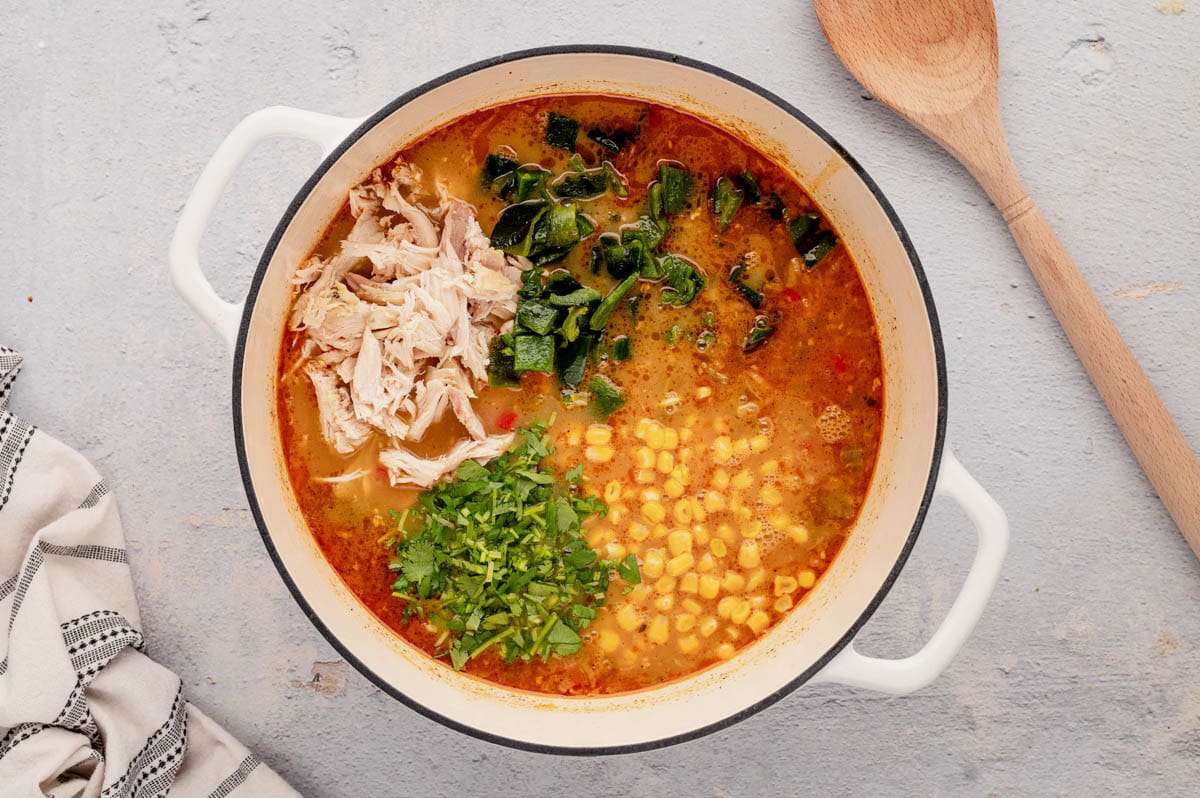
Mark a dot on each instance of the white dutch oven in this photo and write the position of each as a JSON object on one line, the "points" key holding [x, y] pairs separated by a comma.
{"points": [[814, 643]]}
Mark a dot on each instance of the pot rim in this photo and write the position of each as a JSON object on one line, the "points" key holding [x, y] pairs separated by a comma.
{"points": [[518, 55]]}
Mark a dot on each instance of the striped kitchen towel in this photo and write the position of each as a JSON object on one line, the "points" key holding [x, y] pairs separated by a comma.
{"points": [[83, 711]]}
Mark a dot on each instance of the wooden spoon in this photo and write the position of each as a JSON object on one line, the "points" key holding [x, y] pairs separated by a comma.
{"points": [[935, 63]]}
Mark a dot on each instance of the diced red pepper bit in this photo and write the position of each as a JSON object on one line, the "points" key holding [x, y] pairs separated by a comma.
{"points": [[791, 295], [383, 473], [839, 363], [507, 420]]}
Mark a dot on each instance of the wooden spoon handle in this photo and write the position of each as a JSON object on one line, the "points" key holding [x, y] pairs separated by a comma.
{"points": [[1140, 414]]}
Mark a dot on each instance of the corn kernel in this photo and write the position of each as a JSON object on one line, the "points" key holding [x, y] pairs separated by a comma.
{"points": [[785, 585], [720, 479], [660, 531], [670, 438], [643, 457], [798, 533], [706, 563], [725, 606], [628, 618], [742, 479], [760, 601], [677, 566], [652, 564], [768, 467], [698, 511], [740, 612], [679, 541], [752, 529], [700, 532], [599, 454], [691, 605], [721, 426], [640, 594], [658, 631], [733, 582], [635, 548], [689, 644], [686, 435], [708, 626], [664, 584], [665, 463], [638, 531], [783, 604], [615, 551], [685, 454], [685, 622], [744, 513], [682, 473], [617, 513], [639, 430], [574, 435], [718, 547], [757, 578], [727, 533], [609, 641], [690, 583], [758, 621], [673, 488], [703, 392], [759, 444], [651, 495], [714, 501], [612, 491], [807, 578], [722, 449], [644, 476], [749, 555], [654, 512], [741, 447], [664, 603], [598, 434], [655, 436], [770, 496], [732, 632], [682, 511], [709, 586]]}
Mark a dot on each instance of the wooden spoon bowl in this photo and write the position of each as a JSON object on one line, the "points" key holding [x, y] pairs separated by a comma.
{"points": [[936, 63]]}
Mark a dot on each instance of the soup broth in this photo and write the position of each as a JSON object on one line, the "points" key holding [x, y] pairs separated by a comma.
{"points": [[735, 468]]}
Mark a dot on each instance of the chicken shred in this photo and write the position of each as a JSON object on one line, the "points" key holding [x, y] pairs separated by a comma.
{"points": [[399, 322]]}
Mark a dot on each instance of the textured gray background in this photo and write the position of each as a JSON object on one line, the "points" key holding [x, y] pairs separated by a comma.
{"points": [[1081, 678]]}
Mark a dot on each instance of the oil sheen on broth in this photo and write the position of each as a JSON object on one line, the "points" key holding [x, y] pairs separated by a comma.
{"points": [[754, 465]]}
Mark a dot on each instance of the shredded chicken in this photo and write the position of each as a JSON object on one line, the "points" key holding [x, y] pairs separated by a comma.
{"points": [[399, 322]]}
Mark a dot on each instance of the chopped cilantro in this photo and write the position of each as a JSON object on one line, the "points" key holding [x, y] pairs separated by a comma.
{"points": [[497, 559]]}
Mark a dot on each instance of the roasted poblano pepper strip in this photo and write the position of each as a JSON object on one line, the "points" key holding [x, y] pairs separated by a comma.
{"points": [[621, 348], [608, 305], [676, 186], [561, 131], [606, 397], [572, 360], [682, 282], [537, 316], [513, 232], [497, 165], [533, 353], [727, 198], [821, 247], [802, 228], [501, 369]]}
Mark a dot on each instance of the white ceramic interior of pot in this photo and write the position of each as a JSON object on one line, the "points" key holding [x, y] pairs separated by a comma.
{"points": [[855, 577]]}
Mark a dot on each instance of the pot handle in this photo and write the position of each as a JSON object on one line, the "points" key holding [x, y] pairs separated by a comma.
{"points": [[184, 259], [907, 675]]}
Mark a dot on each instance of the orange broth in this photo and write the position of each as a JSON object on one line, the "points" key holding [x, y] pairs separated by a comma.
{"points": [[763, 459]]}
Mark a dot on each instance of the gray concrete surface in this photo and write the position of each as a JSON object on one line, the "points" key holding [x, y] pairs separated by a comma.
{"points": [[1082, 678]]}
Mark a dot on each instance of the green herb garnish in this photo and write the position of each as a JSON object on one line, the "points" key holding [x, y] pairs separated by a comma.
{"points": [[606, 397], [496, 558]]}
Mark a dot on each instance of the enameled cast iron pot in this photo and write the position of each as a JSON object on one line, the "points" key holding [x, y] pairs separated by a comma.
{"points": [[811, 645]]}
